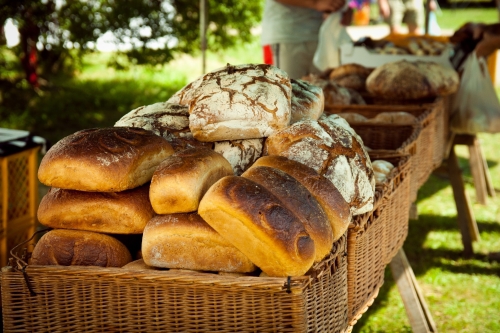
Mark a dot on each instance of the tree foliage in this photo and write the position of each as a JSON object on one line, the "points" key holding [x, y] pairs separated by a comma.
{"points": [[155, 30]]}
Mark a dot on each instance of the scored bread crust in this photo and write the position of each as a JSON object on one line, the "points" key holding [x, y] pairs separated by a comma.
{"points": [[240, 102], [327, 195], [258, 224], [182, 179], [308, 101], [125, 212], [294, 196], [79, 248], [186, 241], [240, 153], [103, 159]]}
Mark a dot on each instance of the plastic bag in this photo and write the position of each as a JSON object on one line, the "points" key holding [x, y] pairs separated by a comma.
{"points": [[475, 106], [332, 34]]}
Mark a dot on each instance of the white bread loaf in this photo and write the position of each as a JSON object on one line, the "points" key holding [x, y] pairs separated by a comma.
{"points": [[294, 196], [327, 195], [185, 241], [240, 102], [125, 212], [308, 101], [79, 248], [168, 120], [332, 148], [382, 166], [182, 179], [104, 160], [257, 223], [240, 153], [399, 118]]}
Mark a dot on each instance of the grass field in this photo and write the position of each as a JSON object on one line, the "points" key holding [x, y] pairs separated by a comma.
{"points": [[463, 294]]}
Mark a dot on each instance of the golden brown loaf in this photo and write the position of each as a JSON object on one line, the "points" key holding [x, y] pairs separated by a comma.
{"points": [[350, 69], [399, 118], [240, 102], [308, 101], [405, 80], [138, 265], [327, 195], [182, 179], [168, 120], [332, 148], [257, 223], [104, 160], [294, 196], [125, 212], [185, 241], [79, 248]]}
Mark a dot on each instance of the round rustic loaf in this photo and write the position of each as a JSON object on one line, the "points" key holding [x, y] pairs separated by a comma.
{"points": [[350, 69], [399, 118], [308, 101], [240, 102], [259, 225], [168, 120], [185, 241], [410, 80], [332, 148], [240, 153], [327, 195], [182, 179], [294, 196], [104, 159], [79, 248], [125, 212]]}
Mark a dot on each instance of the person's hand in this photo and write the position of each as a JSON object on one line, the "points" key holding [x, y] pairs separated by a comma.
{"points": [[384, 8], [329, 6], [470, 30]]}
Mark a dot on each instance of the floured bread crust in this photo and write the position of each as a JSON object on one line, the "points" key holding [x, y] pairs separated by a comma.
{"points": [[168, 120], [240, 153], [405, 80], [240, 102], [332, 148], [308, 101]]}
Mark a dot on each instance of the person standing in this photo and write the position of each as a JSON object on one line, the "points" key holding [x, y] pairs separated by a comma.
{"points": [[290, 31], [409, 12]]}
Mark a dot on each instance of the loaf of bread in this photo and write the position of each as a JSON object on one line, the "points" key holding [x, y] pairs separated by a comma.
{"points": [[240, 102], [332, 148], [336, 208], [182, 179], [308, 101], [79, 248], [125, 212], [104, 160], [350, 69], [353, 118], [382, 169], [240, 153], [399, 118], [185, 241], [258, 224], [294, 196], [405, 80], [138, 265], [168, 120]]}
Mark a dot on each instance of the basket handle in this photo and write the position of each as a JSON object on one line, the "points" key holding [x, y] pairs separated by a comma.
{"points": [[20, 263]]}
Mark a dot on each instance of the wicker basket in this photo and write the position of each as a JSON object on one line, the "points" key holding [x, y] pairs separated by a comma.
{"points": [[441, 109], [365, 258], [391, 141], [397, 205], [84, 299]]}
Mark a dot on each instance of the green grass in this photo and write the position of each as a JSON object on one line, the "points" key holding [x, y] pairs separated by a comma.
{"points": [[454, 18]]}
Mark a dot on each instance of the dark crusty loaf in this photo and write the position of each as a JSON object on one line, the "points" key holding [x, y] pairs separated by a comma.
{"points": [[125, 212], [104, 160], [79, 248], [185, 241], [259, 225], [294, 196], [308, 101], [182, 179], [327, 195]]}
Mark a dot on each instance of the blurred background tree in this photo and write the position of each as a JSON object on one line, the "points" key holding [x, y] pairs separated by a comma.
{"points": [[55, 34]]}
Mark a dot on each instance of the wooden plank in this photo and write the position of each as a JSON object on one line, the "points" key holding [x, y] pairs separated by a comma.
{"points": [[477, 171], [402, 273], [489, 185], [465, 216]]}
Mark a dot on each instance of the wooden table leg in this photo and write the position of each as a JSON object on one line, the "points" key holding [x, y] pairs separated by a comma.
{"points": [[465, 217], [477, 171], [416, 307], [489, 185]]}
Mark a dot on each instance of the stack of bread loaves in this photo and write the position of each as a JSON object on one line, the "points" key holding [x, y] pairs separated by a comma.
{"points": [[99, 181]]}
